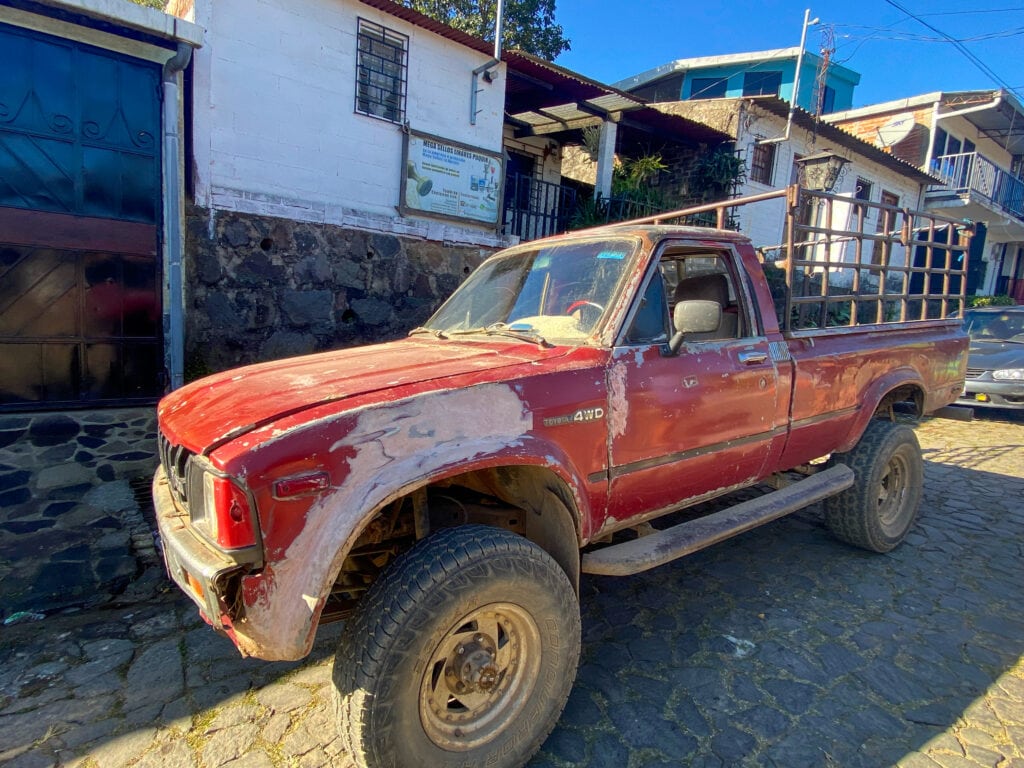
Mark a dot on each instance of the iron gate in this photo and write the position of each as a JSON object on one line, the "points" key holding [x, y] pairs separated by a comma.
{"points": [[80, 286]]}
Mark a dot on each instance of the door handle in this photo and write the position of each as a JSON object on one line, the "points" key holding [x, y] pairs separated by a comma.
{"points": [[752, 358]]}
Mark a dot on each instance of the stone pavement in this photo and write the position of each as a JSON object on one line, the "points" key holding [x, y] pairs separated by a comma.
{"points": [[781, 648]]}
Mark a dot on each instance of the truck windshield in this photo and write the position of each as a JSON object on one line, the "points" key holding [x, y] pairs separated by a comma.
{"points": [[557, 293]]}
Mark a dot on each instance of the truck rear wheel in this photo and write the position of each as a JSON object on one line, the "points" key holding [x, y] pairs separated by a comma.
{"points": [[462, 653], [879, 510]]}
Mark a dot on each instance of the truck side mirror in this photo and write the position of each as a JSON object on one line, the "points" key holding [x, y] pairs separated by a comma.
{"points": [[695, 316]]}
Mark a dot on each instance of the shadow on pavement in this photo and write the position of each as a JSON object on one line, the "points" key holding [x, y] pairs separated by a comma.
{"points": [[782, 647]]}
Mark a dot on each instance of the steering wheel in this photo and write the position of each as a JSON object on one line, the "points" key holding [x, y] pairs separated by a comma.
{"points": [[581, 304]]}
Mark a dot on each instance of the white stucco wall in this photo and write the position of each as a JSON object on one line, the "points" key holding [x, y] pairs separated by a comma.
{"points": [[962, 128], [763, 222], [275, 127]]}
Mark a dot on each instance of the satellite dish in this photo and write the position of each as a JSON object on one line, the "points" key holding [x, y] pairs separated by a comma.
{"points": [[896, 129]]}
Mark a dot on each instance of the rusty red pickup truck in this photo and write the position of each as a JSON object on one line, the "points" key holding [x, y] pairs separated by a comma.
{"points": [[444, 493]]}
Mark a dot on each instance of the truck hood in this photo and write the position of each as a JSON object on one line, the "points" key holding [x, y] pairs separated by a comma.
{"points": [[212, 411]]}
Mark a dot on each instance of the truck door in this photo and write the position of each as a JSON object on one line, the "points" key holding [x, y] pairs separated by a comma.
{"points": [[689, 426]]}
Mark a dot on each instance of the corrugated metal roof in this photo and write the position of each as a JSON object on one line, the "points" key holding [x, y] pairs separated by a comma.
{"points": [[534, 84], [431, 25], [570, 96], [844, 138], [827, 133]]}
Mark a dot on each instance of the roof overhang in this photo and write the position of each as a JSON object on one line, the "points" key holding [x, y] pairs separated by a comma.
{"points": [[543, 99], [837, 136], [827, 134], [749, 59], [422, 21], [1002, 123], [118, 17]]}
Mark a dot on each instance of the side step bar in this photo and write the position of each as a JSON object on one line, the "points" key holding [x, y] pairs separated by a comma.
{"points": [[686, 538]]}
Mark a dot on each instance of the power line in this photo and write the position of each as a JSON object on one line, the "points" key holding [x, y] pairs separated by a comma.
{"points": [[916, 38], [981, 10], [956, 44]]}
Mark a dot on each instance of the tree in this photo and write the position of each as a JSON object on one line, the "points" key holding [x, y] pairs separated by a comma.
{"points": [[529, 24]]}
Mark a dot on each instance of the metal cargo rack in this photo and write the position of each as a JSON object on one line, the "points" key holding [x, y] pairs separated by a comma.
{"points": [[880, 264]]}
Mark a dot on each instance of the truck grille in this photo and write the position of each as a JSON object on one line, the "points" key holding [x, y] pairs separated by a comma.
{"points": [[973, 373], [176, 461]]}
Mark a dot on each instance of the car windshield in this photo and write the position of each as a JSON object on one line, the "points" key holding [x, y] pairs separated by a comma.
{"points": [[555, 293], [995, 326]]}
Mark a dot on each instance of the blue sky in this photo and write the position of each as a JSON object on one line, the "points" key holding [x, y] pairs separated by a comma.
{"points": [[613, 39]]}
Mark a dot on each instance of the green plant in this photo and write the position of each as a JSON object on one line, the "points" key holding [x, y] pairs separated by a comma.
{"points": [[590, 212], [990, 301], [592, 140], [715, 173], [632, 196], [632, 175]]}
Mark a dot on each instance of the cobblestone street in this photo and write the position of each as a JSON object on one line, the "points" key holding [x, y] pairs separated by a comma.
{"points": [[782, 647]]}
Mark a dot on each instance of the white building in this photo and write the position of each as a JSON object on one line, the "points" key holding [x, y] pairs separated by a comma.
{"points": [[758, 126], [973, 141], [346, 166]]}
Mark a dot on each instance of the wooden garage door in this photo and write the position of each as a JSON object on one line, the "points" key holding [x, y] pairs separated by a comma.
{"points": [[80, 287]]}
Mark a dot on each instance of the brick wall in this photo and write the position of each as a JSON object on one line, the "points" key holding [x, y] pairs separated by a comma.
{"points": [[913, 149]]}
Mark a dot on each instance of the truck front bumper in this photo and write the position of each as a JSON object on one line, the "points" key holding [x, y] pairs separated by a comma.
{"points": [[197, 568]]}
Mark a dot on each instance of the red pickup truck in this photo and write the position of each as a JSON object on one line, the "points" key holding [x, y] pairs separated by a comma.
{"points": [[444, 493]]}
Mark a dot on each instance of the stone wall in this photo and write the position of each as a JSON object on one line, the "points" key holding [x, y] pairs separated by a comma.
{"points": [[674, 183], [261, 288], [72, 529]]}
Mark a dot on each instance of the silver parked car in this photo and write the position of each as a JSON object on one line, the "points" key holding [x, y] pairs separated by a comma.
{"points": [[995, 363]]}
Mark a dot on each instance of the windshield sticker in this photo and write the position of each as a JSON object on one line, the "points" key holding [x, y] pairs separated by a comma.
{"points": [[583, 414], [611, 255]]}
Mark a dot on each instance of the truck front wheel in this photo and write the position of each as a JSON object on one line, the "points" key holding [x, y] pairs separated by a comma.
{"points": [[462, 653], [879, 510]]}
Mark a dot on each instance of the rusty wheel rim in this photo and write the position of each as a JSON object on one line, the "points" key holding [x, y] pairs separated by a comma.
{"points": [[480, 676], [892, 493]]}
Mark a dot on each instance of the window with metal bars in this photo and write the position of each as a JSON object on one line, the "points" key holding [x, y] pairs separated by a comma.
{"points": [[762, 163], [381, 72]]}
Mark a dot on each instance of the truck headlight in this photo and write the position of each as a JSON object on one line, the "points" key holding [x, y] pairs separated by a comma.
{"points": [[1009, 374]]}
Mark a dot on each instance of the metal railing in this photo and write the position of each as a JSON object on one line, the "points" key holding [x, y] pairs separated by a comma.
{"points": [[842, 271], [971, 173], [535, 209]]}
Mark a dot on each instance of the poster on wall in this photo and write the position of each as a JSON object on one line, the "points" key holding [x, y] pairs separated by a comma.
{"points": [[449, 180]]}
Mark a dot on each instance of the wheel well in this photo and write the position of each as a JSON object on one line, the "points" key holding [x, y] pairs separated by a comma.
{"points": [[908, 399], [530, 501]]}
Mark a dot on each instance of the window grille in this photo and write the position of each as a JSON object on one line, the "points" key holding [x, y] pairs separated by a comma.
{"points": [[762, 163], [381, 72]]}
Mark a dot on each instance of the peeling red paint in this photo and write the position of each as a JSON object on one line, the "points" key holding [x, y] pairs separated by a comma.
{"points": [[628, 432]]}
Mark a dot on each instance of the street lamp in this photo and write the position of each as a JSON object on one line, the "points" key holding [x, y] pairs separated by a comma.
{"points": [[821, 171]]}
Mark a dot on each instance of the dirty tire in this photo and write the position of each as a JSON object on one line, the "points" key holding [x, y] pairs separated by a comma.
{"points": [[462, 653], [878, 511]]}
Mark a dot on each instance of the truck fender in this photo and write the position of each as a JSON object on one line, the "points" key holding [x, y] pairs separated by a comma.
{"points": [[281, 620], [900, 378]]}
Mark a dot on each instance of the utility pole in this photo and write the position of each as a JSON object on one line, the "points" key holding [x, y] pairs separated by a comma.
{"points": [[808, 21]]}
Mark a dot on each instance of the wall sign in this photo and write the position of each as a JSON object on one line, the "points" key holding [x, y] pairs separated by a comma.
{"points": [[448, 180]]}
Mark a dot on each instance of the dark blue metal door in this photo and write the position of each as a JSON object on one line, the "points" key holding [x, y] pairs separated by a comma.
{"points": [[80, 200]]}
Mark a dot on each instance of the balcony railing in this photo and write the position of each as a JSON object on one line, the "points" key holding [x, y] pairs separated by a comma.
{"points": [[970, 173]]}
